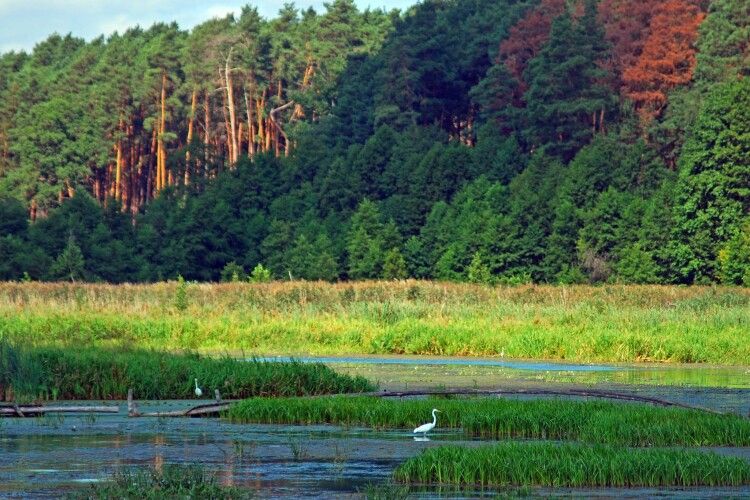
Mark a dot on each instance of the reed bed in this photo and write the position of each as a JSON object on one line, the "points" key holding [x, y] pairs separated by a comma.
{"points": [[578, 323], [494, 418], [170, 481], [91, 373], [572, 465]]}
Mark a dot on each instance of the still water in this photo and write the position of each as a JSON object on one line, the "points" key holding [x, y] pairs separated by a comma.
{"points": [[45, 457]]}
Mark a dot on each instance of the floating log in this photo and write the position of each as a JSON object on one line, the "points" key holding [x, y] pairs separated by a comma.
{"points": [[37, 410]]}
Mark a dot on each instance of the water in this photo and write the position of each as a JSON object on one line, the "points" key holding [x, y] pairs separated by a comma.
{"points": [[44, 457], [433, 361]]}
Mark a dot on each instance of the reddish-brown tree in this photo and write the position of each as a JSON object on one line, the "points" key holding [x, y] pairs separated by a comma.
{"points": [[626, 23], [668, 57], [528, 36]]}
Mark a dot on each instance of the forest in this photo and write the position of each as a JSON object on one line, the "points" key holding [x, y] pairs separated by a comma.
{"points": [[489, 141]]}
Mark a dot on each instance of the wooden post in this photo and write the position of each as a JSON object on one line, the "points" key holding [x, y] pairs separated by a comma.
{"points": [[217, 394], [132, 407]]}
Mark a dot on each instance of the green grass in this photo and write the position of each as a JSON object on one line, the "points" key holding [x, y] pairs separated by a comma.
{"points": [[90, 373], [587, 421], [580, 323], [571, 465], [172, 481]]}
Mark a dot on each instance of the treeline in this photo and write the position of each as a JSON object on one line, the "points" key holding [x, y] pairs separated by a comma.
{"points": [[482, 140]]}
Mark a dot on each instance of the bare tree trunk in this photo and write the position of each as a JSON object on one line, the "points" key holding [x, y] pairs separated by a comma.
{"points": [[277, 126], [118, 169], [206, 126], [160, 165], [151, 180], [234, 153], [261, 106], [227, 127], [191, 123], [250, 128]]}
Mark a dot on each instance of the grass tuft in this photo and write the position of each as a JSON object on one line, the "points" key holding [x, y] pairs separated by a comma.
{"points": [[571, 465], [493, 418], [172, 481], [89, 373]]}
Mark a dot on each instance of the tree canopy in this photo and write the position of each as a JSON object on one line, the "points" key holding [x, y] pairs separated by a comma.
{"points": [[493, 141]]}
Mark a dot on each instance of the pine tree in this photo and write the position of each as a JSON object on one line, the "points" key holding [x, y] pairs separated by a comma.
{"points": [[568, 101], [394, 265], [70, 263]]}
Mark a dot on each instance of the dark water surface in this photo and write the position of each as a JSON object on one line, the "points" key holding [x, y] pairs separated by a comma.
{"points": [[45, 457]]}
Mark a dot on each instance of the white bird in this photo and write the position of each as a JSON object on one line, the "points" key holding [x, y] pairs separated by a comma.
{"points": [[198, 391], [424, 429]]}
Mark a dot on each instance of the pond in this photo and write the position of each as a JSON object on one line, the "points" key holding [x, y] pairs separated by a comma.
{"points": [[42, 457]]}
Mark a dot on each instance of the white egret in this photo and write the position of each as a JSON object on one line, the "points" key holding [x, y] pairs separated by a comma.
{"points": [[198, 391], [424, 429]]}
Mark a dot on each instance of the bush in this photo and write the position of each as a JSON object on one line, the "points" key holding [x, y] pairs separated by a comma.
{"points": [[180, 294], [233, 273], [478, 272], [260, 274]]}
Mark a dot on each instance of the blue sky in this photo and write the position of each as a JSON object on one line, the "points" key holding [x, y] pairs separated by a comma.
{"points": [[23, 23]]}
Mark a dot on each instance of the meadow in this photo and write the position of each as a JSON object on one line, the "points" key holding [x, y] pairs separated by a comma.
{"points": [[610, 323], [571, 465], [44, 373], [492, 418]]}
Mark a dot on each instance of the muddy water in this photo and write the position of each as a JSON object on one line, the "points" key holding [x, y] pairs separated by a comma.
{"points": [[45, 457]]}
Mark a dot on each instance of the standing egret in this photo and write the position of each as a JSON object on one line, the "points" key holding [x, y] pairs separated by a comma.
{"points": [[424, 429], [198, 391]]}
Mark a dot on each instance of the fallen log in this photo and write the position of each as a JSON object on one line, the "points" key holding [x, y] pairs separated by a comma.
{"points": [[204, 410], [207, 410], [37, 410]]}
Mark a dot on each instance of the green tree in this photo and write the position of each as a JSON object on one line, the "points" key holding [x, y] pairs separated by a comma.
{"points": [[365, 242], [636, 265], [69, 264], [713, 191], [394, 265], [734, 259], [567, 101]]}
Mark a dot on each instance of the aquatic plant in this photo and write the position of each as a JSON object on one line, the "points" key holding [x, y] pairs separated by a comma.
{"points": [[170, 481], [571, 465], [495, 418], [575, 323], [91, 373]]}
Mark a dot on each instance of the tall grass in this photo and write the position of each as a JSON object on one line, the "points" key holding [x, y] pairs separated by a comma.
{"points": [[571, 465], [91, 373], [171, 481], [587, 421], [581, 323]]}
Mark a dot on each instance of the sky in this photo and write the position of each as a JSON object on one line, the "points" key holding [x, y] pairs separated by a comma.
{"points": [[24, 23]]}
